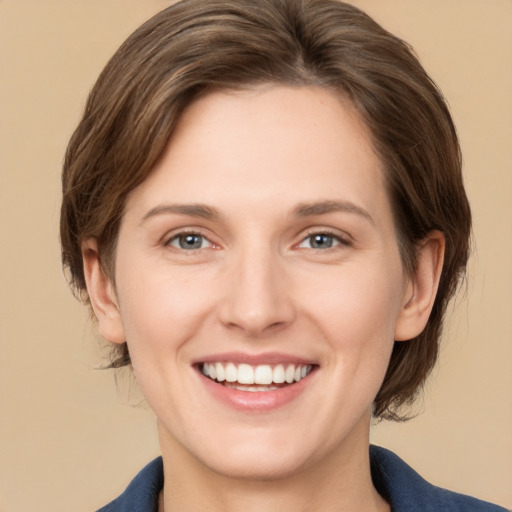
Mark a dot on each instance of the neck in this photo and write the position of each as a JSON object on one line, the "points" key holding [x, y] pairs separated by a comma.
{"points": [[340, 482]]}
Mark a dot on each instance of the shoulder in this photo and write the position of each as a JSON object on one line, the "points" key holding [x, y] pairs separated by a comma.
{"points": [[406, 490], [142, 493], [393, 478]]}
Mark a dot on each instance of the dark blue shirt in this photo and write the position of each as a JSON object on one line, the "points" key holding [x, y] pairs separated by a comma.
{"points": [[399, 484]]}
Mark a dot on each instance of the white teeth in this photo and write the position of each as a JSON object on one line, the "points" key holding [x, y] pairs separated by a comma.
{"points": [[245, 374], [231, 372], [278, 375], [290, 372], [250, 388], [219, 370], [257, 376], [263, 374]]}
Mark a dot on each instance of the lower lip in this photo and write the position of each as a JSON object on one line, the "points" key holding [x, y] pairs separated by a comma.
{"points": [[256, 401]]}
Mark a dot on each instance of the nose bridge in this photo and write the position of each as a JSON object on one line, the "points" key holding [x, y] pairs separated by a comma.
{"points": [[256, 298]]}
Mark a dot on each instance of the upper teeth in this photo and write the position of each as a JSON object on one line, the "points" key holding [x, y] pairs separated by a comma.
{"points": [[261, 374]]}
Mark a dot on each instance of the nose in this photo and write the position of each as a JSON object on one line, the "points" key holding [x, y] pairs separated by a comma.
{"points": [[257, 295]]}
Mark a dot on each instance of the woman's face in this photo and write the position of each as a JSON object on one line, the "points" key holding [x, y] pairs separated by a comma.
{"points": [[262, 247]]}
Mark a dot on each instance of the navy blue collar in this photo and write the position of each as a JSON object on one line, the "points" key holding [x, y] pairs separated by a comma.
{"points": [[142, 493], [399, 484], [407, 491]]}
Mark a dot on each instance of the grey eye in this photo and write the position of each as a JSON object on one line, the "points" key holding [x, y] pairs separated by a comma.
{"points": [[320, 241], [189, 241]]}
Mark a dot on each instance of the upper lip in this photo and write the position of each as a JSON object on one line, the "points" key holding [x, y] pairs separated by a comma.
{"points": [[272, 358]]}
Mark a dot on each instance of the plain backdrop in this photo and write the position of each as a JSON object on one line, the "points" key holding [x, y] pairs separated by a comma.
{"points": [[70, 439]]}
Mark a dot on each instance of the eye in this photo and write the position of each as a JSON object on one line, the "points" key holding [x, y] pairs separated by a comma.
{"points": [[189, 241], [321, 241]]}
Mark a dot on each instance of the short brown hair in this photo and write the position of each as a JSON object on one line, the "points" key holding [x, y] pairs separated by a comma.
{"points": [[196, 46]]}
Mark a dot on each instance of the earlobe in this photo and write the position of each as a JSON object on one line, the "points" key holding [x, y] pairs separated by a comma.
{"points": [[421, 288], [101, 294]]}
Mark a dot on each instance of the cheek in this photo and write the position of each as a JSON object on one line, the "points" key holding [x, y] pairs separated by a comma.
{"points": [[357, 319], [160, 317], [155, 315], [357, 301], [155, 306]]}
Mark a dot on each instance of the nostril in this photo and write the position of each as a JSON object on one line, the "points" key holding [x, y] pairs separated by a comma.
{"points": [[256, 300], [257, 323]]}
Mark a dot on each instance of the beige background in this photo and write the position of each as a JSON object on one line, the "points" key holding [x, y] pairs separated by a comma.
{"points": [[69, 441]]}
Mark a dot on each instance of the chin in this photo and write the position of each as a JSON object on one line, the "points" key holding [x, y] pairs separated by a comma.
{"points": [[262, 454], [258, 465]]}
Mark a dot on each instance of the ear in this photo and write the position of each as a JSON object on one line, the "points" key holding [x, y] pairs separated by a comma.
{"points": [[421, 288], [102, 294]]}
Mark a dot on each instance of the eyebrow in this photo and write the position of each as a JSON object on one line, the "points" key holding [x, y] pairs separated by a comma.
{"points": [[190, 210], [301, 210], [323, 207]]}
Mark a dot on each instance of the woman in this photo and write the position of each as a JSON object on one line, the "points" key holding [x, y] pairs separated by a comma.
{"points": [[263, 205]]}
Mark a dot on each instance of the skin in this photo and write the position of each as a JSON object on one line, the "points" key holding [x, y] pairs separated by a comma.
{"points": [[257, 283]]}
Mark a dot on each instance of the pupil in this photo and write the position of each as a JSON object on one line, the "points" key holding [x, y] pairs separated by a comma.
{"points": [[321, 241], [190, 241]]}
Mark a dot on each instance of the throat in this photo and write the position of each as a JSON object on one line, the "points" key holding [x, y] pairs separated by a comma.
{"points": [[161, 506]]}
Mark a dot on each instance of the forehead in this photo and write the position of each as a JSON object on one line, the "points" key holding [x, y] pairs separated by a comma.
{"points": [[245, 146]]}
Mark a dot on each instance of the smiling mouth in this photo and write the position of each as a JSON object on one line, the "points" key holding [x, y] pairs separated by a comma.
{"points": [[245, 377]]}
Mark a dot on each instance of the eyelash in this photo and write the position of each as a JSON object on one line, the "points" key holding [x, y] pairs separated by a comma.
{"points": [[338, 240], [184, 234]]}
